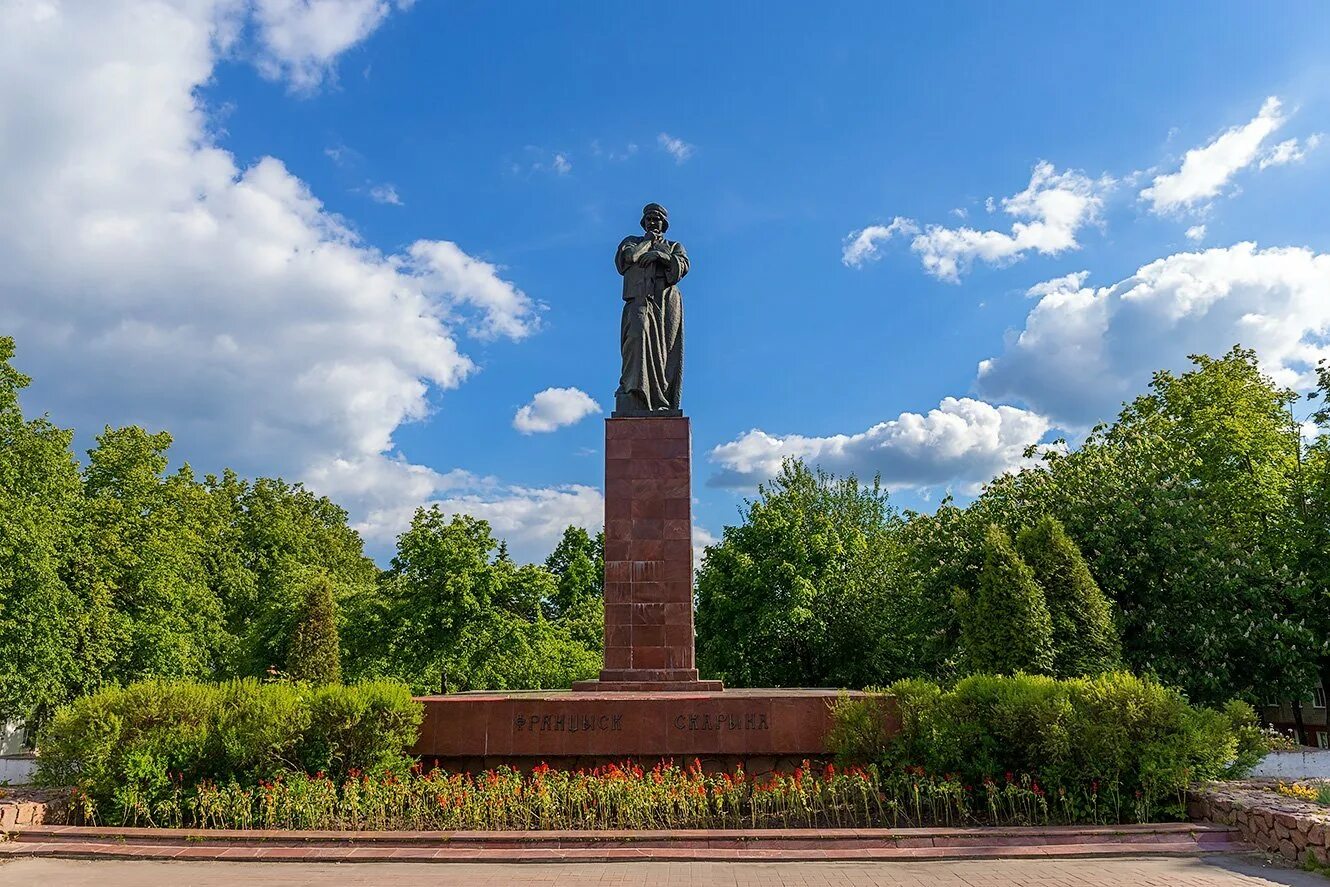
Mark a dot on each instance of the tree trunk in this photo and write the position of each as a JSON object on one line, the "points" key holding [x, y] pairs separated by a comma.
{"points": [[1323, 664], [1300, 729]]}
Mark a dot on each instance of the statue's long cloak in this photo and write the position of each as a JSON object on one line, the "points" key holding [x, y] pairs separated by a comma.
{"points": [[652, 328]]}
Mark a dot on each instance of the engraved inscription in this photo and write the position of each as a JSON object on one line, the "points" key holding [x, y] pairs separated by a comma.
{"points": [[567, 723], [721, 721]]}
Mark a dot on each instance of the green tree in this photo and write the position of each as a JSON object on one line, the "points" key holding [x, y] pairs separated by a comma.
{"points": [[452, 613], [46, 638], [1005, 625], [274, 534], [315, 655], [1085, 640], [578, 566], [808, 590], [146, 533], [1313, 500], [1184, 510]]}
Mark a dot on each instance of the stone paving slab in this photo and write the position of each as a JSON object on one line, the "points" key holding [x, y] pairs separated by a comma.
{"points": [[1221, 871]]}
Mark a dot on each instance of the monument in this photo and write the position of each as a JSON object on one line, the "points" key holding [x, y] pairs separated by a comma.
{"points": [[649, 702]]}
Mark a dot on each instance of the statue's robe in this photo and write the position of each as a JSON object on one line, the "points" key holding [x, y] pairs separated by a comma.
{"points": [[651, 332]]}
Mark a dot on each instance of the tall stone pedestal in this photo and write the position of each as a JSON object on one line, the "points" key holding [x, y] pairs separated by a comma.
{"points": [[648, 703], [648, 558]]}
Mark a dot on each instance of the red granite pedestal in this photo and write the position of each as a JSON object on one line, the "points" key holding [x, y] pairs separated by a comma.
{"points": [[649, 702], [648, 559]]}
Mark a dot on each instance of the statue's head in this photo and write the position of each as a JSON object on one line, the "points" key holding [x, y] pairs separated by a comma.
{"points": [[655, 219]]}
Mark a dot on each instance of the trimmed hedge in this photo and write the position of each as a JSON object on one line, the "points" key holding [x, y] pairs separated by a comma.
{"points": [[131, 750], [1134, 741]]}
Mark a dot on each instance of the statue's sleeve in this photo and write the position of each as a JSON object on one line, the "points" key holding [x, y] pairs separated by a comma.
{"points": [[678, 266], [622, 259]]}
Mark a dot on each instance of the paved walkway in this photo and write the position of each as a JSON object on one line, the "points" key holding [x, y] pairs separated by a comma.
{"points": [[1213, 871]]}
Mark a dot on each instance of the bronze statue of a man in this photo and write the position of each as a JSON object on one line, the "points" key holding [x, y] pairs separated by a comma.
{"points": [[651, 333]]}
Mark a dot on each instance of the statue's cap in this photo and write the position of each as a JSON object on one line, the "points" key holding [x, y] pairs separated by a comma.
{"points": [[656, 208]]}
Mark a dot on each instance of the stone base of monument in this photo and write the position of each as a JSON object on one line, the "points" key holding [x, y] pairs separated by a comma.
{"points": [[762, 729], [649, 703]]}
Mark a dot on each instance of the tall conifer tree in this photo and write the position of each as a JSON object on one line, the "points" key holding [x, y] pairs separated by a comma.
{"points": [[1085, 640], [1005, 626]]}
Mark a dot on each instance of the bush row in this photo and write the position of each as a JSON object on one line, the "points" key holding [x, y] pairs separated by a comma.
{"points": [[129, 750], [1117, 736]]}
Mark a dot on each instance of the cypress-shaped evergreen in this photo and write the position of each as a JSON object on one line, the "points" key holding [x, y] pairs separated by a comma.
{"points": [[1085, 640], [315, 654], [1005, 626]]}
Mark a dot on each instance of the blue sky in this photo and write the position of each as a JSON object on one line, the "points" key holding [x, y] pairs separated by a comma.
{"points": [[223, 219]]}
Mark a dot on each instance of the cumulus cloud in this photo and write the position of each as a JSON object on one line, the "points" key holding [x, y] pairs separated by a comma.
{"points": [[530, 519], [1084, 350], [1057, 284], [1049, 213], [385, 193], [554, 408], [1196, 233], [1206, 170], [150, 278], [861, 246], [1289, 151], [541, 160], [300, 40], [962, 443], [675, 147]]}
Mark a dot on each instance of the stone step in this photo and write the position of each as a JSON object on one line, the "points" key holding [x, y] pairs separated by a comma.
{"points": [[685, 845]]}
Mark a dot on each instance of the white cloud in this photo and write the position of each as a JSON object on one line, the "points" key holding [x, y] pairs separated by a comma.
{"points": [[300, 40], [531, 520], [1196, 233], [1084, 350], [1049, 213], [149, 278], [861, 246], [1289, 151], [385, 193], [702, 537], [676, 148], [465, 281], [1066, 281], [1206, 170], [554, 408], [541, 160], [963, 442]]}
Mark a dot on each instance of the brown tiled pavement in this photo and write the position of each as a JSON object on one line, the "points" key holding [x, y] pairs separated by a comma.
{"points": [[1178, 839], [1210, 871]]}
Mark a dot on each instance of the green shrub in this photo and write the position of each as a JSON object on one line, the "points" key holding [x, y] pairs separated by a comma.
{"points": [[1129, 741], [130, 751], [1085, 640], [1005, 626]]}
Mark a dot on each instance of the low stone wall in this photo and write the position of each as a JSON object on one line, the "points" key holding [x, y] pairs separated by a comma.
{"points": [[1267, 820], [28, 805]]}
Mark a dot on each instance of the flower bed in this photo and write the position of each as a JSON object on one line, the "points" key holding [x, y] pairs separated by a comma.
{"points": [[626, 796]]}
